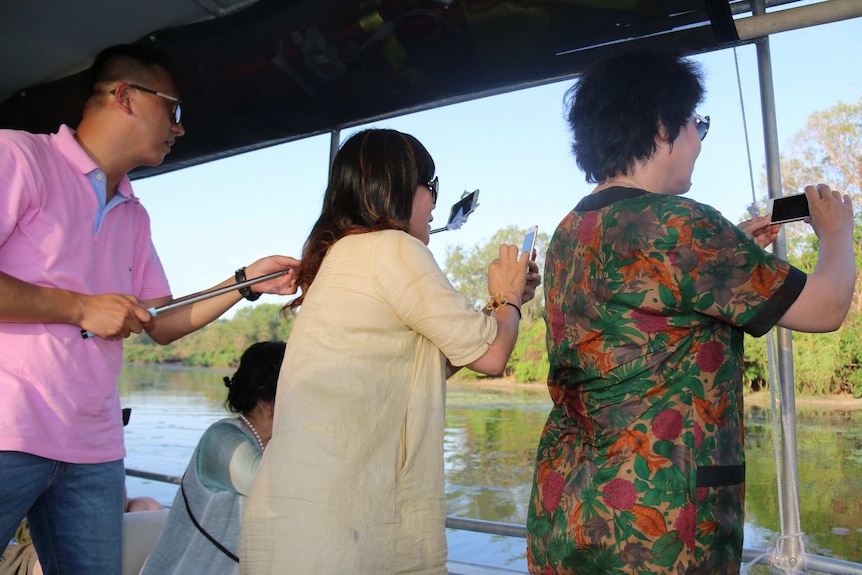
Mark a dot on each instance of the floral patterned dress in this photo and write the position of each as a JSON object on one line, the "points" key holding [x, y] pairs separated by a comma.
{"points": [[640, 467]]}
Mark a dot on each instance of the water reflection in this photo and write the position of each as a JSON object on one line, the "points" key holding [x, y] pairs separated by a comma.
{"points": [[490, 442]]}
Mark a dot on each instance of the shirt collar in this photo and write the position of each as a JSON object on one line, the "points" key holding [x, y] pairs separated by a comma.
{"points": [[65, 143], [606, 197]]}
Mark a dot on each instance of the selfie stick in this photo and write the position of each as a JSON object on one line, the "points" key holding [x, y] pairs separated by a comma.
{"points": [[455, 224], [194, 298]]}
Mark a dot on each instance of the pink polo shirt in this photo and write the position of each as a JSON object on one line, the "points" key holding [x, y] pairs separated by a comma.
{"points": [[58, 392]]}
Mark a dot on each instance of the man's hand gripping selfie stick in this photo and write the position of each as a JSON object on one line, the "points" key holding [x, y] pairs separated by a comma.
{"points": [[193, 298], [461, 210]]}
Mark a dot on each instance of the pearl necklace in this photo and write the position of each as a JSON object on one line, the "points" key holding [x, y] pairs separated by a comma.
{"points": [[253, 431]]}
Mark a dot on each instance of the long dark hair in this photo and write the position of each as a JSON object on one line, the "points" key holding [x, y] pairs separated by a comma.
{"points": [[374, 178], [256, 377], [618, 106]]}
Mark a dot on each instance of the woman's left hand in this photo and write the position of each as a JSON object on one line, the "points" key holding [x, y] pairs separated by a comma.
{"points": [[759, 228], [533, 279]]}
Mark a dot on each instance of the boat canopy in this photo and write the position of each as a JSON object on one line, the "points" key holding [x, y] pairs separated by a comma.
{"points": [[253, 74]]}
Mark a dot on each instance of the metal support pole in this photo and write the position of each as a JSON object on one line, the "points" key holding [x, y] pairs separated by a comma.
{"points": [[334, 142], [761, 25], [791, 549]]}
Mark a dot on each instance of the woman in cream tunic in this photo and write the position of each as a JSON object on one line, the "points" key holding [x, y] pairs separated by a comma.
{"points": [[352, 480]]}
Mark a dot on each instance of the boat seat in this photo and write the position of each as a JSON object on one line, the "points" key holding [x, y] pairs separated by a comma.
{"points": [[141, 530]]}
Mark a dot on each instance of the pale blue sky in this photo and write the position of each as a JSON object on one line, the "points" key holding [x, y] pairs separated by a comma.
{"points": [[515, 148]]}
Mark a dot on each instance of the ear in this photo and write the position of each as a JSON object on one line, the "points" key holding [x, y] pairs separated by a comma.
{"points": [[123, 97]]}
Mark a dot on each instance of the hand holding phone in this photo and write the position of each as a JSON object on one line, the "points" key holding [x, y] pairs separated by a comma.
{"points": [[788, 208], [530, 241]]}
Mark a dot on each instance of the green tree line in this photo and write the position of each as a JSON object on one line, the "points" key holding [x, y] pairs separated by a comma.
{"points": [[219, 344], [826, 150]]}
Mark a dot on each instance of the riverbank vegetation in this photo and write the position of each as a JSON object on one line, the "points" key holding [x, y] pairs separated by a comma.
{"points": [[824, 364]]}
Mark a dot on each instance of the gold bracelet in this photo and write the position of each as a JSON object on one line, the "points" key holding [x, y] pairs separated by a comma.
{"points": [[498, 300]]}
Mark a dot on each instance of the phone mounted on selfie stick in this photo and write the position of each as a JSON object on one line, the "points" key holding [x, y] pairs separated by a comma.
{"points": [[460, 211]]}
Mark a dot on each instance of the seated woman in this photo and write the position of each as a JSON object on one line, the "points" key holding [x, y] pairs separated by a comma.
{"points": [[202, 531]]}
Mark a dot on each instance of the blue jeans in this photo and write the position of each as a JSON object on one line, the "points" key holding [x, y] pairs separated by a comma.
{"points": [[75, 511]]}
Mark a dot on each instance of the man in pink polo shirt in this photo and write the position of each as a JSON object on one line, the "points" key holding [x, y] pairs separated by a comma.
{"points": [[76, 253]]}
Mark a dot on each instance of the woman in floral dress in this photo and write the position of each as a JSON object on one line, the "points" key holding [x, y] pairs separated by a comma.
{"points": [[640, 467]]}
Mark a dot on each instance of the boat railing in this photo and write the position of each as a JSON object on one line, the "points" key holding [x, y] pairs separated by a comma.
{"points": [[815, 563]]}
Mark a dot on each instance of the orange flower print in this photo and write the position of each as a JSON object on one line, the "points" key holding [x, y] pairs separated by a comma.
{"points": [[760, 281], [712, 413], [631, 442]]}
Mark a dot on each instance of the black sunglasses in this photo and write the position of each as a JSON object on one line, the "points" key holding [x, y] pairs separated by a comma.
{"points": [[434, 186], [702, 125], [178, 107]]}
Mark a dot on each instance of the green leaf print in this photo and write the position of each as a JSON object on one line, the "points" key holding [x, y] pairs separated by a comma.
{"points": [[641, 467], [668, 298], [696, 386], [628, 300], [686, 290], [663, 448], [654, 497], [606, 474], [667, 549]]}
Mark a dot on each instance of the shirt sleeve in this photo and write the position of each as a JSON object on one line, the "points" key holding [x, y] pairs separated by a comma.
{"points": [[409, 279], [731, 278], [227, 459], [16, 187]]}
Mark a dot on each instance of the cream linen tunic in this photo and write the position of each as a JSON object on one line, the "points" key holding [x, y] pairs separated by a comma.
{"points": [[352, 480]]}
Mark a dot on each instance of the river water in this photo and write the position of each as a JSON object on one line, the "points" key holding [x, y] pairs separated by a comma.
{"points": [[490, 441]]}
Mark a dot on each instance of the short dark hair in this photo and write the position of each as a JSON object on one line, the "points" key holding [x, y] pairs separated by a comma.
{"points": [[374, 178], [129, 62], [618, 105], [256, 377]]}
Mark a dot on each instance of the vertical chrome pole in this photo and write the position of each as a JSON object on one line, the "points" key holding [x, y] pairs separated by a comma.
{"points": [[790, 548]]}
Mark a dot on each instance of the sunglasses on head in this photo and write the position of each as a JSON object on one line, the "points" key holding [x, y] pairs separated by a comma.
{"points": [[702, 125]]}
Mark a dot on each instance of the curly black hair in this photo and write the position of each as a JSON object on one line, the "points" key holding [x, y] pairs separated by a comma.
{"points": [[617, 107]]}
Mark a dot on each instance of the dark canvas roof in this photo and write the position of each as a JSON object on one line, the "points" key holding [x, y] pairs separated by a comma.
{"points": [[253, 74]]}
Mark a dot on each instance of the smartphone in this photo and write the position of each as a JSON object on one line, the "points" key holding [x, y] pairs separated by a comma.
{"points": [[530, 241], [464, 207], [788, 208]]}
